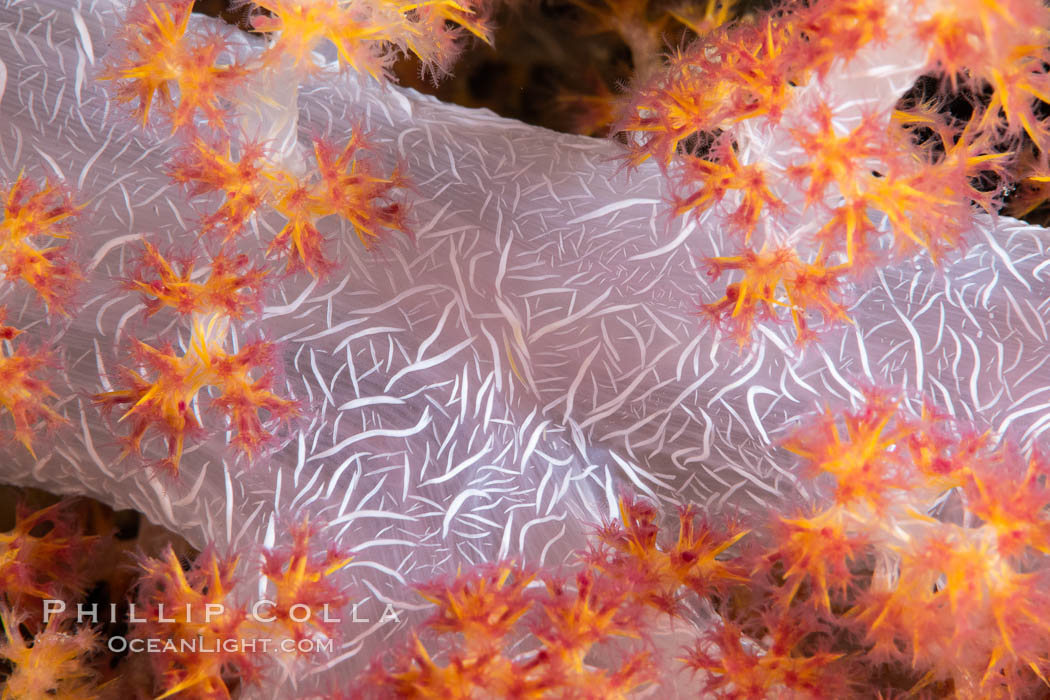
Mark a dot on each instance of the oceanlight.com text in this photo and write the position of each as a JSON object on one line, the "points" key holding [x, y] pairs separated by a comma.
{"points": [[200, 645]]}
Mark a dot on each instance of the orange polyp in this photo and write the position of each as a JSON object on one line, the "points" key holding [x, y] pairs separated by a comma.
{"points": [[737, 670], [300, 240], [166, 402], [483, 608], [24, 394], [300, 577], [185, 595], [231, 290], [302, 26], [630, 552], [1016, 510], [835, 159], [32, 212], [35, 566], [54, 663], [348, 183], [721, 175], [863, 461], [159, 55], [819, 550], [154, 41], [245, 182], [579, 619], [242, 397], [365, 42], [773, 280]]}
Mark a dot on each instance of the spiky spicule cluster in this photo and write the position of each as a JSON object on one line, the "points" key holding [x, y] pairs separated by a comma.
{"points": [[345, 339]]}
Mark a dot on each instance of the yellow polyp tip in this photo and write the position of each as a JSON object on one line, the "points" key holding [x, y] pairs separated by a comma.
{"points": [[337, 566], [126, 414], [147, 396], [186, 684], [28, 444]]}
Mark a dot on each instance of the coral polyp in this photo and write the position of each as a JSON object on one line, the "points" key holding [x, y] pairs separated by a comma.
{"points": [[35, 216]]}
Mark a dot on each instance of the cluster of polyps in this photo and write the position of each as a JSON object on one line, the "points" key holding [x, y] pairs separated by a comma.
{"points": [[931, 548], [196, 84], [481, 619], [922, 566], [45, 556], [165, 394], [820, 184], [35, 217], [49, 664], [210, 638], [201, 637]]}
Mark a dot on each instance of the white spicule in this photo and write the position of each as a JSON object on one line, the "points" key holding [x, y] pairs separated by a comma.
{"points": [[490, 388]]}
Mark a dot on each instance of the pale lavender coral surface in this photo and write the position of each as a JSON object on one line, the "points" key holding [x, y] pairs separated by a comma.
{"points": [[486, 389]]}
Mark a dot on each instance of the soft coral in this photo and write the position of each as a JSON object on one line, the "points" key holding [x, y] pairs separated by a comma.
{"points": [[159, 61], [51, 665]]}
